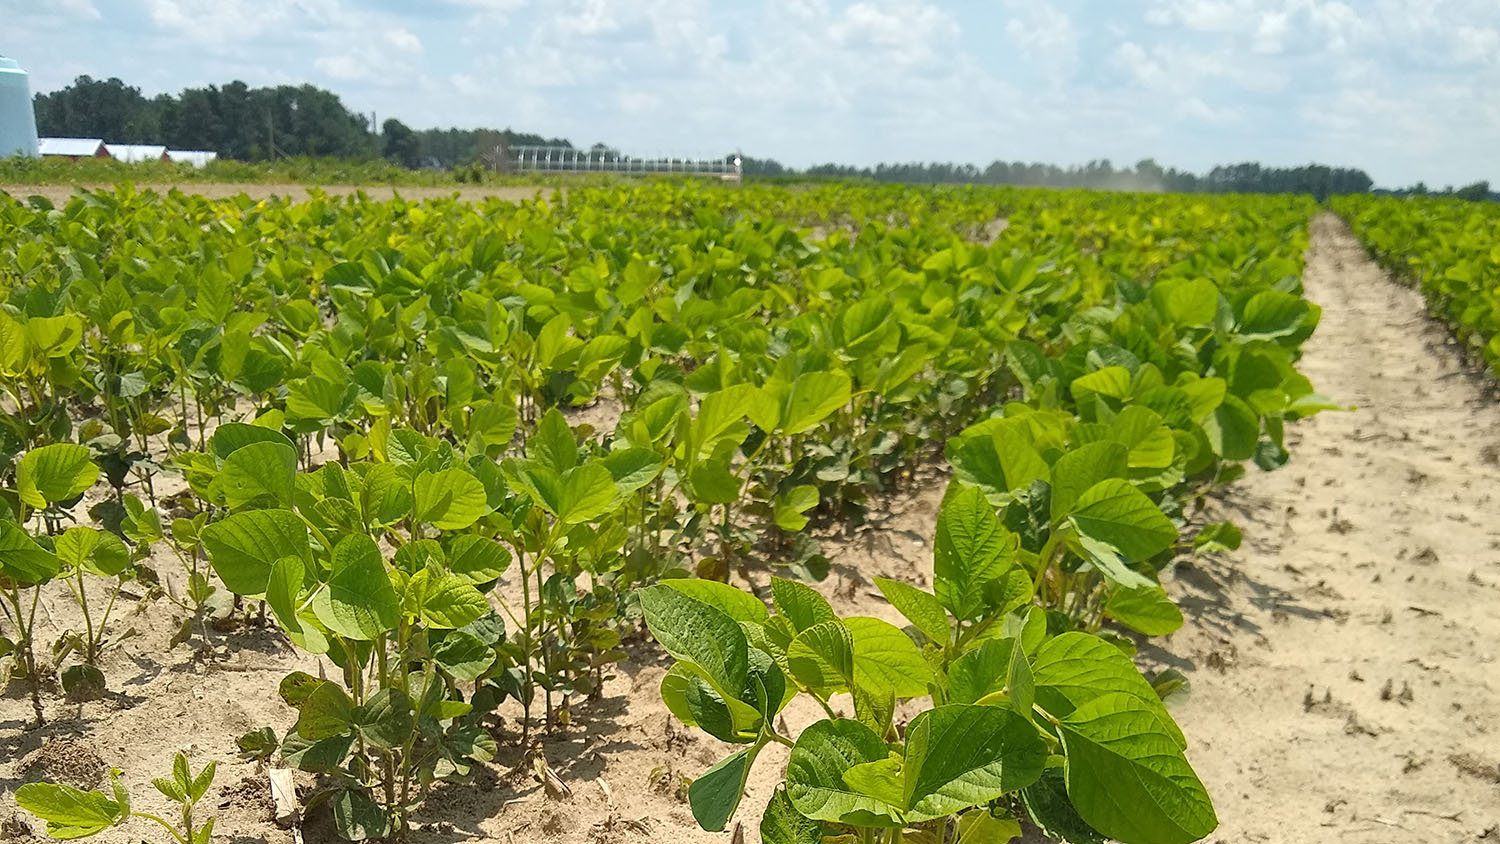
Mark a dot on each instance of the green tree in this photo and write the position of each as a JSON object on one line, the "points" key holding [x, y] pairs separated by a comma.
{"points": [[400, 144]]}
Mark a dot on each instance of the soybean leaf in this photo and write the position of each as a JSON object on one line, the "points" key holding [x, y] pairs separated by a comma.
{"points": [[1121, 516], [735, 603], [972, 548], [54, 473], [960, 756], [96, 551], [358, 817], [358, 602], [632, 468], [1079, 470], [22, 560], [799, 603], [262, 472], [821, 658], [1127, 777], [919, 607], [386, 719], [69, 812], [691, 630], [783, 824], [232, 436], [813, 396], [477, 559], [326, 713], [716, 793], [886, 659], [1048, 807], [815, 774], [451, 499], [444, 600], [1074, 668], [790, 507], [244, 546]]}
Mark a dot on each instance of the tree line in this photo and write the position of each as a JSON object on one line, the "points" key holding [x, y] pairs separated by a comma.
{"points": [[257, 124]]}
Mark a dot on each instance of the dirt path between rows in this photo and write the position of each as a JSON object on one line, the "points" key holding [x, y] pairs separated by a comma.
{"points": [[1344, 661]]}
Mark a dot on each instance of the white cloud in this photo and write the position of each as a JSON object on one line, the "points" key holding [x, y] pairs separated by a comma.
{"points": [[1046, 34]]}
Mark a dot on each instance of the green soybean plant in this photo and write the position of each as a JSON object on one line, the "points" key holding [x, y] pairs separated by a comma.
{"points": [[72, 813], [404, 630], [48, 480], [1015, 723]]}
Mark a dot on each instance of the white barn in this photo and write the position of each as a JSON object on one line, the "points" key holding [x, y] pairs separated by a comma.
{"points": [[132, 153], [72, 148], [199, 158]]}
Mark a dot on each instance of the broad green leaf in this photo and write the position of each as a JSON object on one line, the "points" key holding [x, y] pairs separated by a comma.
{"points": [[284, 589], [1127, 777], [553, 443], [69, 812], [815, 774], [243, 547], [821, 658], [691, 630], [712, 482], [783, 824], [1233, 429], [451, 499], [814, 395], [444, 600], [735, 603], [326, 713], [882, 779], [96, 551], [477, 559], [1145, 609], [1074, 668], [1119, 515], [54, 473], [386, 719], [1081, 469], [233, 436], [790, 507], [716, 793], [919, 607], [22, 560], [961, 756], [588, 491], [886, 659], [983, 828], [1219, 536], [800, 604], [1048, 807], [972, 548], [358, 602], [357, 816], [262, 472], [632, 468]]}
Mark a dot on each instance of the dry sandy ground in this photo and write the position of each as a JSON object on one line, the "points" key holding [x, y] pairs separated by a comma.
{"points": [[1343, 662], [60, 193]]}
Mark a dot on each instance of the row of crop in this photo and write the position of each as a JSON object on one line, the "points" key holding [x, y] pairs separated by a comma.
{"points": [[1129, 351], [1449, 249]]}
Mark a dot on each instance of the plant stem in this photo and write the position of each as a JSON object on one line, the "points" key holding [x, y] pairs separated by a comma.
{"points": [[171, 830]]}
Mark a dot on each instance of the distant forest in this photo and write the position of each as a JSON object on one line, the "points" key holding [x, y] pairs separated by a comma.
{"points": [[257, 124]]}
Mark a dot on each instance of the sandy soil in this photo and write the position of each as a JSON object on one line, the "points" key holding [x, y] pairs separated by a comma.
{"points": [[1343, 662], [60, 193]]}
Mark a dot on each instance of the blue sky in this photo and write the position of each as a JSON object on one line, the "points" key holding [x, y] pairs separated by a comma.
{"points": [[1406, 89]]}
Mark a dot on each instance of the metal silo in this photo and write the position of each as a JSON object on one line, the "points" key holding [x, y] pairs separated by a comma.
{"points": [[17, 119]]}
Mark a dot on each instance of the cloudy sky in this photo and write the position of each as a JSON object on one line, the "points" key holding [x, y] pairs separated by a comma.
{"points": [[1407, 89]]}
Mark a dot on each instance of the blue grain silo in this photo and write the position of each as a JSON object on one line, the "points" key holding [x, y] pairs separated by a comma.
{"points": [[17, 119]]}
